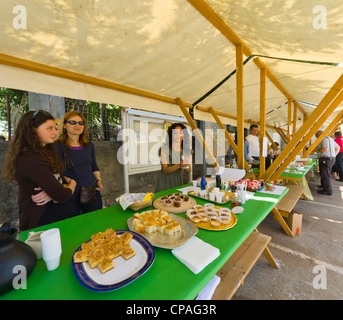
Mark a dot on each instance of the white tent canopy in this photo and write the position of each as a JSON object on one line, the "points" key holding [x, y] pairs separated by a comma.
{"points": [[163, 49]]}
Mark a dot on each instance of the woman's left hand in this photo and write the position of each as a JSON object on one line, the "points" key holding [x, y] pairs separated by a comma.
{"points": [[186, 165], [100, 186]]}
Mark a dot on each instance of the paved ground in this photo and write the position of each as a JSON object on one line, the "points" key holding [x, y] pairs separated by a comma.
{"points": [[312, 259]]}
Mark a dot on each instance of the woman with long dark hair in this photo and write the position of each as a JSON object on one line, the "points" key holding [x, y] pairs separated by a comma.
{"points": [[175, 156], [32, 161]]}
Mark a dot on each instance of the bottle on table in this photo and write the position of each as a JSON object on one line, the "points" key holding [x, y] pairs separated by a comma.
{"points": [[203, 183]]}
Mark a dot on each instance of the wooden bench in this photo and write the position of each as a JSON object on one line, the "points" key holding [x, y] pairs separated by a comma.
{"points": [[290, 199], [286, 205], [235, 270]]}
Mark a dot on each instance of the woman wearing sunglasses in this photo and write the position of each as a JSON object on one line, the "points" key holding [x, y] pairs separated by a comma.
{"points": [[32, 161], [78, 155]]}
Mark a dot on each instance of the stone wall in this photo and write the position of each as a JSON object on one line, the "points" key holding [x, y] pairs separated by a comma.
{"points": [[8, 193], [111, 174]]}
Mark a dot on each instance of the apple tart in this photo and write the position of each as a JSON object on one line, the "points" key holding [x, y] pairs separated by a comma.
{"points": [[103, 248]]}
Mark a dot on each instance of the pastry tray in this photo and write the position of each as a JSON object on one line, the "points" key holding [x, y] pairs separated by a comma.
{"points": [[124, 272], [157, 239], [185, 205], [222, 227]]}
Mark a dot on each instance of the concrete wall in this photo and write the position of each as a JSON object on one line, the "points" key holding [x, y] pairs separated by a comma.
{"points": [[111, 173]]}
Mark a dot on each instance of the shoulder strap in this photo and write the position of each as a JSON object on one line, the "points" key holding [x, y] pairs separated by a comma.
{"points": [[67, 159]]}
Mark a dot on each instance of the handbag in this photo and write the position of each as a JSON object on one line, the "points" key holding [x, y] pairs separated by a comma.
{"points": [[87, 194]]}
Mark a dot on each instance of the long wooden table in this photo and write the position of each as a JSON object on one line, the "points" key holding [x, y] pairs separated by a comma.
{"points": [[298, 178], [167, 278]]}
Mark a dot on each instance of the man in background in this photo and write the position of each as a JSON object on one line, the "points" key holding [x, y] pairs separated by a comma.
{"points": [[339, 157], [327, 150], [254, 142]]}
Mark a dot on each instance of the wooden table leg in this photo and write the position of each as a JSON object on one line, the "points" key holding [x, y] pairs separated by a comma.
{"points": [[303, 195], [282, 222], [269, 256]]}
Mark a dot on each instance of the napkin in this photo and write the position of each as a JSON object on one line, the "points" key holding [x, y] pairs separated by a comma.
{"points": [[278, 190], [127, 199], [207, 292], [196, 254], [187, 189]]}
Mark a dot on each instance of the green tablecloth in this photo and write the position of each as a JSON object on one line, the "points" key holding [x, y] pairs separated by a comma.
{"points": [[297, 175], [167, 278], [301, 179]]}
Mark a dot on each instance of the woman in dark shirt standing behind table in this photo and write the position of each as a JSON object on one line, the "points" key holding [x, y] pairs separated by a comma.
{"points": [[32, 161], [78, 153], [175, 156]]}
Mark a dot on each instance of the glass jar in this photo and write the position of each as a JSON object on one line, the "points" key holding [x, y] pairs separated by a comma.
{"points": [[235, 200]]}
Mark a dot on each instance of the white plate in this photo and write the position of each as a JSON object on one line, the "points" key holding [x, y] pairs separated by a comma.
{"points": [[237, 210], [124, 271]]}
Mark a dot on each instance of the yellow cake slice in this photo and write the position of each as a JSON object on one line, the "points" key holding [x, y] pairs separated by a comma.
{"points": [[105, 265], [81, 256], [126, 237], [128, 252]]}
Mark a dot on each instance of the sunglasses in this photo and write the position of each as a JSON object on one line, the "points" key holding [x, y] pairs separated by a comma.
{"points": [[73, 122]]}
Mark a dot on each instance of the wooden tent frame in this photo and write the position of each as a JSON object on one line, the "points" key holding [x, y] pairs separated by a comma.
{"points": [[327, 132], [300, 137], [307, 131]]}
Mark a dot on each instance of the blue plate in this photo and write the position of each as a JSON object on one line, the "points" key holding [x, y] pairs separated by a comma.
{"points": [[145, 255]]}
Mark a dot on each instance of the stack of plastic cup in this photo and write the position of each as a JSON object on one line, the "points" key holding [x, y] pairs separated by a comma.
{"points": [[51, 248]]}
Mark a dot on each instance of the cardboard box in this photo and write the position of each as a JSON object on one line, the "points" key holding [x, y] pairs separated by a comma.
{"points": [[294, 221]]}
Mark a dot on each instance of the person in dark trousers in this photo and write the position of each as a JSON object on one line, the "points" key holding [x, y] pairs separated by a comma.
{"points": [[327, 150], [339, 157]]}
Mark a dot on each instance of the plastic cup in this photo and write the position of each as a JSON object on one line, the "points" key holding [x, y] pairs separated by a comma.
{"points": [[215, 190], [212, 196], [53, 264], [51, 248], [220, 196], [202, 193], [195, 183]]}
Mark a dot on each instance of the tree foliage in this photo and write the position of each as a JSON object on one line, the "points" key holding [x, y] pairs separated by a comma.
{"points": [[102, 119], [18, 102]]}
